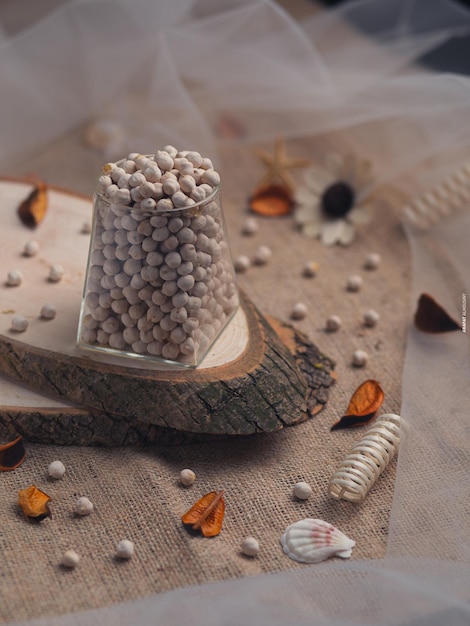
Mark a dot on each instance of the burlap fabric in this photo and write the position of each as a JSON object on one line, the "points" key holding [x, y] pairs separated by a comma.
{"points": [[136, 493]]}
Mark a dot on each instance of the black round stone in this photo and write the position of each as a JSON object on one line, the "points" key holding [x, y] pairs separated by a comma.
{"points": [[337, 200]]}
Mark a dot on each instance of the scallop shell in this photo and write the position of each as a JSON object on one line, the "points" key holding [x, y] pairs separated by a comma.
{"points": [[313, 540]]}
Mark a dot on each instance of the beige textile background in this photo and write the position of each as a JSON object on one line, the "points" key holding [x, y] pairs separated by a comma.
{"points": [[136, 492]]}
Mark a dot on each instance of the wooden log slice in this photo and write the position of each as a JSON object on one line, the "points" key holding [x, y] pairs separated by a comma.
{"points": [[258, 377]]}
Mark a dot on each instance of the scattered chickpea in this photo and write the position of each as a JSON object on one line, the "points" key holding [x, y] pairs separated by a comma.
{"points": [[333, 323], [19, 323], [250, 226], [299, 311], [31, 248], [360, 358], [83, 506], [187, 477], [48, 312], [70, 559], [56, 273], [241, 263], [302, 490], [371, 317], [354, 283], [249, 546], [262, 255], [14, 278], [124, 549], [310, 269], [56, 470], [372, 261]]}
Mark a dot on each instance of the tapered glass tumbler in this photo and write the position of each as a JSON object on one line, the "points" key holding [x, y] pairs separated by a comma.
{"points": [[160, 284]]}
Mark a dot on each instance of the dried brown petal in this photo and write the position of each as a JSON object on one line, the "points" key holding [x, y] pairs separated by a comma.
{"points": [[33, 209], [207, 514], [34, 503], [430, 317], [12, 454], [364, 404], [272, 200]]}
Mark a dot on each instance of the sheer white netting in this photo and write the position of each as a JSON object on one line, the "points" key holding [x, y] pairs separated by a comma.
{"points": [[187, 68]]}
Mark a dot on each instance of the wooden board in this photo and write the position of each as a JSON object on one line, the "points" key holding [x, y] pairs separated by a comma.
{"points": [[258, 377]]}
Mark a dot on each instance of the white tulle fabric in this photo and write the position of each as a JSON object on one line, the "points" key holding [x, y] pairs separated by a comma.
{"points": [[186, 66]]}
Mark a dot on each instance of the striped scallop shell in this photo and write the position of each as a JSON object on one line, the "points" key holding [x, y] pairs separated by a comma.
{"points": [[313, 540]]}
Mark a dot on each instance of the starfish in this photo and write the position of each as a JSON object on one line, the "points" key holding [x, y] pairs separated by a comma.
{"points": [[278, 165]]}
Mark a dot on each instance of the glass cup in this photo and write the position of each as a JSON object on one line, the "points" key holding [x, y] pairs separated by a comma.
{"points": [[159, 285]]}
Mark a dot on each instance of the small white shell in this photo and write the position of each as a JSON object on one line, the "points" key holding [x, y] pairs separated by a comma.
{"points": [[313, 540]]}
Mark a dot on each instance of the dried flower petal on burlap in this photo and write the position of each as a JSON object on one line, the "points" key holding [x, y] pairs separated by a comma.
{"points": [[431, 317], [34, 503], [207, 514], [331, 202], [364, 404]]}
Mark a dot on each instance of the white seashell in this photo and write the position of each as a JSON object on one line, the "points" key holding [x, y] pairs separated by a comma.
{"points": [[313, 540]]}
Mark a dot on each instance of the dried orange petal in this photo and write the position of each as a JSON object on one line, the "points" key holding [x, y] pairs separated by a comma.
{"points": [[207, 514], [431, 317], [33, 209], [272, 200], [34, 503], [364, 404]]}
